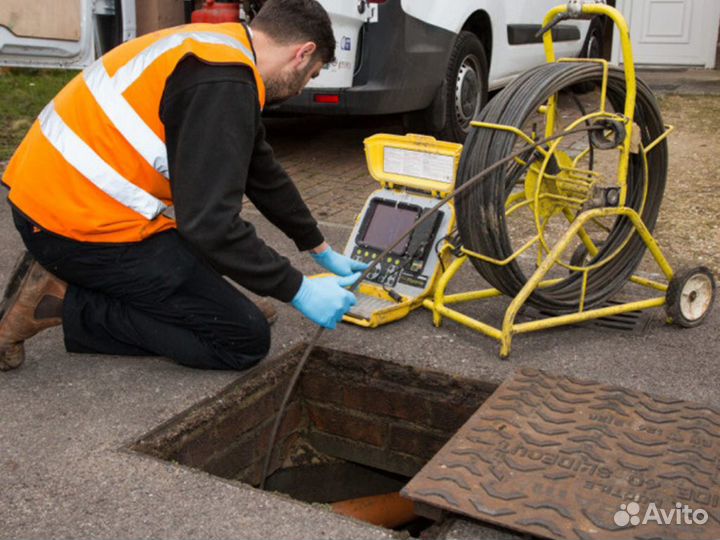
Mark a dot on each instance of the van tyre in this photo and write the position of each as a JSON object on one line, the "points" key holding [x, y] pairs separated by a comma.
{"points": [[594, 47], [466, 86], [463, 94]]}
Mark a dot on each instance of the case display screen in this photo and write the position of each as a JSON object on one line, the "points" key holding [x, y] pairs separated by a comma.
{"points": [[386, 225]]}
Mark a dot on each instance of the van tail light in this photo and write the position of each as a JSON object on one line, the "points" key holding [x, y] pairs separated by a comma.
{"points": [[332, 99]]}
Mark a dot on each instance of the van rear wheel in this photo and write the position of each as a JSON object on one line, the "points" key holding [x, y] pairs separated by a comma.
{"points": [[463, 94], [466, 86], [593, 48]]}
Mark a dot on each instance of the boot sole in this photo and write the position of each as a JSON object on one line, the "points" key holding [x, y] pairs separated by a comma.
{"points": [[17, 276], [12, 355]]}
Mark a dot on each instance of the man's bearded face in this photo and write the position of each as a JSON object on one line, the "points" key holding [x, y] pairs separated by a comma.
{"points": [[289, 82]]}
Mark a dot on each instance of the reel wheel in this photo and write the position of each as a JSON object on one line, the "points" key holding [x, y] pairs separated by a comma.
{"points": [[690, 296]]}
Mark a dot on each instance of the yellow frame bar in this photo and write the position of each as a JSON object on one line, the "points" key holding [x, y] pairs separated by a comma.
{"points": [[668, 130], [439, 302], [630, 80], [576, 318]]}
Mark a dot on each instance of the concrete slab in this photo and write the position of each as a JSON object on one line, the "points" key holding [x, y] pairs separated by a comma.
{"points": [[686, 82], [462, 529]]}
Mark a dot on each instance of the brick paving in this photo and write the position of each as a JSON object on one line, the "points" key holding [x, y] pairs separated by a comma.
{"points": [[326, 159]]}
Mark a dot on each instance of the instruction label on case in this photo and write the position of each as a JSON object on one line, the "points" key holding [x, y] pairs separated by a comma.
{"points": [[418, 164]]}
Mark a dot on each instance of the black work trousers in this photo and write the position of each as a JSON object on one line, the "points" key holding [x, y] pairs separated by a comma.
{"points": [[154, 297]]}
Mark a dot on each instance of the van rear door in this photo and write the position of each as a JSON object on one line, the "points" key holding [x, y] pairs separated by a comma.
{"points": [[62, 33], [348, 18]]}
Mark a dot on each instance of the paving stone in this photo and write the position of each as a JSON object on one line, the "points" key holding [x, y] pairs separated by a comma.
{"points": [[462, 529]]}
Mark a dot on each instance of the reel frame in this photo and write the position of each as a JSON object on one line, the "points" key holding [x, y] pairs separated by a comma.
{"points": [[567, 192]]}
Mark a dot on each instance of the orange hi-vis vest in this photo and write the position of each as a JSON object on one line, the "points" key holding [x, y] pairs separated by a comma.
{"points": [[94, 165]]}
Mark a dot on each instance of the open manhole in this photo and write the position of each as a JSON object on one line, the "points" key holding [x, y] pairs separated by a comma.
{"points": [[355, 427]]}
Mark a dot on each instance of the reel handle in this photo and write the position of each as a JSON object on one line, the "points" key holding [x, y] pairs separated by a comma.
{"points": [[575, 7], [574, 10]]}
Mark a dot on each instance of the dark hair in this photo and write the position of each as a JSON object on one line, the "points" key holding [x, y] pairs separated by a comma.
{"points": [[296, 21]]}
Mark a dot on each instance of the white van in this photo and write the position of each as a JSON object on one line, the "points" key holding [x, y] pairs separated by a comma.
{"points": [[434, 60], [62, 33]]}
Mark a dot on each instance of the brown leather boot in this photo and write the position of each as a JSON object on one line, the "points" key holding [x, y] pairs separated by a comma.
{"points": [[267, 310], [32, 302]]}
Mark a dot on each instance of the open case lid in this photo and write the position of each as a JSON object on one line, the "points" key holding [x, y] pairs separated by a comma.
{"points": [[414, 161]]}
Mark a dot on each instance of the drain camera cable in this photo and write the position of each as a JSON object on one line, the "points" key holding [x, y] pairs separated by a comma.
{"points": [[481, 216], [467, 184]]}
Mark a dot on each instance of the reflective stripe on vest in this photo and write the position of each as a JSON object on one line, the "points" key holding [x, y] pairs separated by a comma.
{"points": [[108, 92], [130, 72], [84, 159], [125, 119]]}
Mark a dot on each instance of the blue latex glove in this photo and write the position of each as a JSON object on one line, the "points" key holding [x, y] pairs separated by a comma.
{"points": [[334, 262], [325, 300]]}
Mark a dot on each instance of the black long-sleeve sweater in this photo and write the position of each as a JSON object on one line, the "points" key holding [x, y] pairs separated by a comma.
{"points": [[217, 153]]}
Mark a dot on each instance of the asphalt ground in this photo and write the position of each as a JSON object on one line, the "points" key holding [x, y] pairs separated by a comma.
{"points": [[66, 419]]}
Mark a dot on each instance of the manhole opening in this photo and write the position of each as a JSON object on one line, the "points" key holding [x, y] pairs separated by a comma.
{"points": [[354, 427]]}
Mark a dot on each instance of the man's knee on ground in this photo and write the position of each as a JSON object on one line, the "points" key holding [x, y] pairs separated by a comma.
{"points": [[253, 347]]}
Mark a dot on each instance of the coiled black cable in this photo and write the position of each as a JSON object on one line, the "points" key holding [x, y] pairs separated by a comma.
{"points": [[481, 213]]}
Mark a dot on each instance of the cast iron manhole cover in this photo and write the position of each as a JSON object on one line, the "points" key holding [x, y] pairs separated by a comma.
{"points": [[562, 458]]}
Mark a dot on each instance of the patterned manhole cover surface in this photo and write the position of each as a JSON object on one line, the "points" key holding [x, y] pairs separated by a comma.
{"points": [[561, 458]]}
